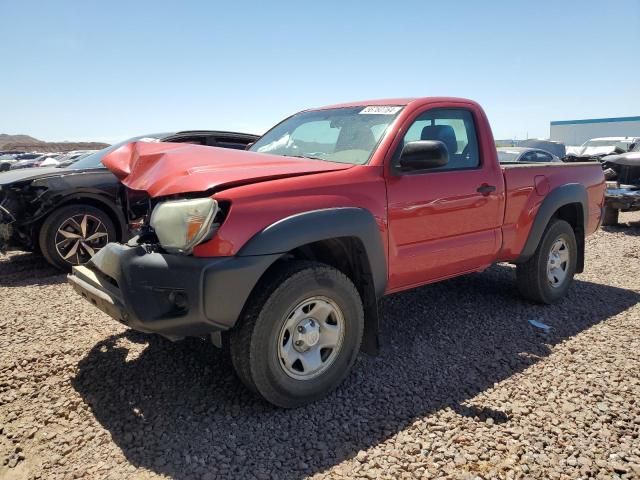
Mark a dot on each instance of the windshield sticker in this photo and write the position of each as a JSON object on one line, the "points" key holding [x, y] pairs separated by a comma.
{"points": [[380, 110]]}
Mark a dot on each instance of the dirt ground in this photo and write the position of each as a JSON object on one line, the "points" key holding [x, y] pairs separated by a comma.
{"points": [[465, 387]]}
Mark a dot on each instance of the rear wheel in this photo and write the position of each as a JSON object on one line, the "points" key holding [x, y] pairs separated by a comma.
{"points": [[610, 217], [73, 234], [546, 277], [300, 334]]}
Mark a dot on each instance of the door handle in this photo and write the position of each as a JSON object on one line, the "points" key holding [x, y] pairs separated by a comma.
{"points": [[485, 189]]}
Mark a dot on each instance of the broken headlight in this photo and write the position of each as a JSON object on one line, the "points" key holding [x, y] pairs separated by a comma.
{"points": [[180, 225]]}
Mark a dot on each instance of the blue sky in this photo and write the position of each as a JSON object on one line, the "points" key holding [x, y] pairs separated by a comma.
{"points": [[107, 70]]}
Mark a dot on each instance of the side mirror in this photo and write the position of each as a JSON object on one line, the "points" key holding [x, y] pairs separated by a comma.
{"points": [[424, 154]]}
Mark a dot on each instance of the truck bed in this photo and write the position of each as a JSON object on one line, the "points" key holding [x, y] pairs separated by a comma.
{"points": [[526, 186]]}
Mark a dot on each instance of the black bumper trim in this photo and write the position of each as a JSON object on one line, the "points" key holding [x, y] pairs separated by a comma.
{"points": [[173, 295]]}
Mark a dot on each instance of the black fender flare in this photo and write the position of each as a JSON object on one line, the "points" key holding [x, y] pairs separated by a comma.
{"points": [[316, 225], [556, 199]]}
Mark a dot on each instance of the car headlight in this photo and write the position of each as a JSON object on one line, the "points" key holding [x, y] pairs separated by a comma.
{"points": [[182, 224]]}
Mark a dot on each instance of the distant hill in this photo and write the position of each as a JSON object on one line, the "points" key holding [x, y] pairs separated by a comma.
{"points": [[47, 147], [6, 138], [30, 144]]}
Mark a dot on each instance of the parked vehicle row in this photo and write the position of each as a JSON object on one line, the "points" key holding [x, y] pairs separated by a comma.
{"points": [[286, 248], [19, 160], [10, 160], [31, 160]]}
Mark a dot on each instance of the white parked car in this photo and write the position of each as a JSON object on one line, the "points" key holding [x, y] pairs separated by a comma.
{"points": [[597, 147], [49, 160]]}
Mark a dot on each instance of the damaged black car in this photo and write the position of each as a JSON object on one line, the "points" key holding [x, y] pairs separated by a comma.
{"points": [[623, 184], [68, 214]]}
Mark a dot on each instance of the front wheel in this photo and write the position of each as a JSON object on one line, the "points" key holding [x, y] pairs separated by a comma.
{"points": [[300, 334], [546, 277], [73, 234]]}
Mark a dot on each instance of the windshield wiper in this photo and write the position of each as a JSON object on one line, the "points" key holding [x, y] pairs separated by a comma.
{"points": [[310, 157]]}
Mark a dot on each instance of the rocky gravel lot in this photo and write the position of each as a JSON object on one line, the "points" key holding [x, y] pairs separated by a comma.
{"points": [[465, 387]]}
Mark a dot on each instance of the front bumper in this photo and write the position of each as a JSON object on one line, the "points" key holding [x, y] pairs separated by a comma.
{"points": [[625, 198], [173, 295]]}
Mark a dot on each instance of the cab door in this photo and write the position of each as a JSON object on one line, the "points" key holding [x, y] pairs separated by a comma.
{"points": [[443, 221]]}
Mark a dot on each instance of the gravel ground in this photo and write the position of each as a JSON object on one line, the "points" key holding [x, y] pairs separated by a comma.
{"points": [[465, 387]]}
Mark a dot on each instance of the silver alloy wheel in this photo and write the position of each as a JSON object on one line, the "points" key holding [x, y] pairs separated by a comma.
{"points": [[310, 338], [79, 238], [558, 263]]}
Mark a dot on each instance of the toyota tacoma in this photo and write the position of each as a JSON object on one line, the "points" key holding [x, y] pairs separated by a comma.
{"points": [[284, 250]]}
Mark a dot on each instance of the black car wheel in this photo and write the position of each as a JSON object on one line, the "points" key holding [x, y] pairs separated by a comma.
{"points": [[73, 234]]}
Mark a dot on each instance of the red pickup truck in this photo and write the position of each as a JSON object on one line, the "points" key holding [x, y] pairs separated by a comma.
{"points": [[286, 249]]}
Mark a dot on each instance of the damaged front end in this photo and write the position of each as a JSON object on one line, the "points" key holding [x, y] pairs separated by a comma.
{"points": [[10, 209], [7, 220], [17, 230]]}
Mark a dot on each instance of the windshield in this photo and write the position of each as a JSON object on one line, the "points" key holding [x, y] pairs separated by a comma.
{"points": [[344, 135], [506, 156], [95, 159]]}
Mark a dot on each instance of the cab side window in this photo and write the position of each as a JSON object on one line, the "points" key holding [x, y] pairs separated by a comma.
{"points": [[453, 127]]}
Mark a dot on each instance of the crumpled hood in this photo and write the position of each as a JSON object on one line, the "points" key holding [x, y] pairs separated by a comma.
{"points": [[169, 168]]}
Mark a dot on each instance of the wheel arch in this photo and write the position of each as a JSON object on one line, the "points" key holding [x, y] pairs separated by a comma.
{"points": [[568, 202], [106, 205]]}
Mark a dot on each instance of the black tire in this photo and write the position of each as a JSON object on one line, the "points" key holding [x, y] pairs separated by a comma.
{"points": [[610, 217], [532, 277], [57, 221], [255, 341]]}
